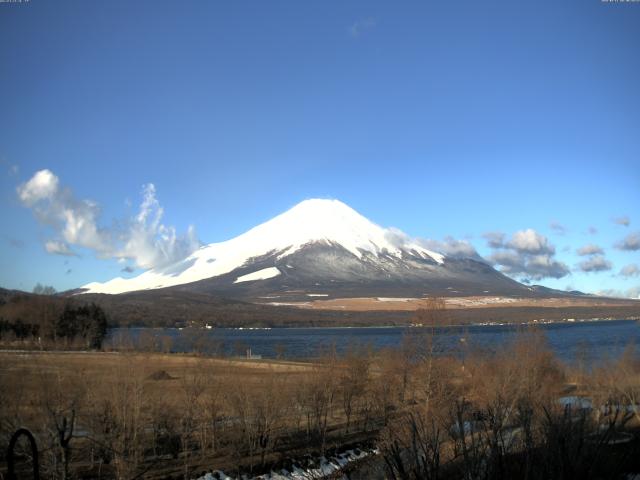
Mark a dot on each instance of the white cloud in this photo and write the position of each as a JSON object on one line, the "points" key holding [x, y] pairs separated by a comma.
{"points": [[590, 249], [633, 292], [528, 255], [529, 267], [596, 263], [631, 242], [624, 221], [631, 270], [43, 185], [143, 239], [58, 248], [150, 242], [530, 241], [558, 228], [397, 237], [361, 26], [451, 247], [509, 260], [494, 239]]}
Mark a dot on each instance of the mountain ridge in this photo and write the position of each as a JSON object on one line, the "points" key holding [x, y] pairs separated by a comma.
{"points": [[311, 221], [320, 248]]}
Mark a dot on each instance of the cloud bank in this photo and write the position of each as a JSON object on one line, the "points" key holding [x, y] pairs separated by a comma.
{"points": [[527, 255], [449, 246], [633, 292], [143, 239]]}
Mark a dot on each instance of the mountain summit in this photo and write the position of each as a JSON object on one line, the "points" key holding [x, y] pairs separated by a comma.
{"points": [[319, 247]]}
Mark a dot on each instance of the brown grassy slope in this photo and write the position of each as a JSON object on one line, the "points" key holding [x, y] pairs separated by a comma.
{"points": [[169, 311], [169, 308]]}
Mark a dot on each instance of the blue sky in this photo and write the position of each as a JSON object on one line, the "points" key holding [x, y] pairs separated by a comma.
{"points": [[443, 119]]}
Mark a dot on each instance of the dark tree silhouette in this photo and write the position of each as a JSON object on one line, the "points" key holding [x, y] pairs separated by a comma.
{"points": [[40, 289], [88, 322]]}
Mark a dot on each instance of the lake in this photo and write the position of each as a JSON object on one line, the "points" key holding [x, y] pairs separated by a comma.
{"points": [[592, 340]]}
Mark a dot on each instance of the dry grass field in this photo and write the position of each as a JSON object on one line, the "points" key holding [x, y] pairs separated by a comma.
{"points": [[476, 302], [167, 415], [149, 415]]}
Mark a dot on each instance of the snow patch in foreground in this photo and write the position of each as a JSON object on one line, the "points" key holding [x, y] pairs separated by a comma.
{"points": [[259, 275], [322, 468], [395, 299]]}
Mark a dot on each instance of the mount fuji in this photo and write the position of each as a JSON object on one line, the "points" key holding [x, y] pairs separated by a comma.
{"points": [[320, 248]]}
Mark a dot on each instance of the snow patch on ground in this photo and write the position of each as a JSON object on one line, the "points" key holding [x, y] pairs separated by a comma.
{"points": [[289, 304], [470, 302]]}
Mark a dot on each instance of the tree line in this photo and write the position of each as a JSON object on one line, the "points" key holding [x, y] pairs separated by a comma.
{"points": [[46, 321]]}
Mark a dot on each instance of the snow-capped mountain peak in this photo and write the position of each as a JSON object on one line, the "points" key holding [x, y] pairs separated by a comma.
{"points": [[326, 220], [311, 221]]}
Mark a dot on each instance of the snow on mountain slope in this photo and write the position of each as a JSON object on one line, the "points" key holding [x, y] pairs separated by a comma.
{"points": [[263, 274], [311, 221]]}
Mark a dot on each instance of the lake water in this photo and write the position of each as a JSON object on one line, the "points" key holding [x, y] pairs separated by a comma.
{"points": [[593, 340]]}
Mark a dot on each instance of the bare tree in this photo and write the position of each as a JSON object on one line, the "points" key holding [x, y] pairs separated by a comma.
{"points": [[212, 404], [61, 398], [166, 344], [280, 350], [354, 375], [120, 422], [412, 448], [627, 381], [322, 389], [40, 289], [192, 388], [260, 413]]}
